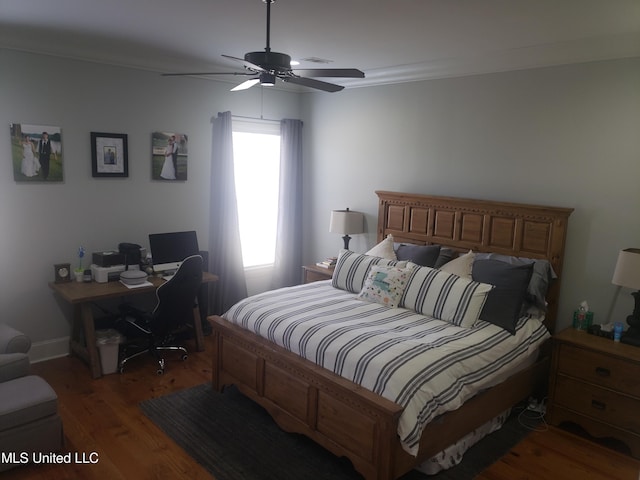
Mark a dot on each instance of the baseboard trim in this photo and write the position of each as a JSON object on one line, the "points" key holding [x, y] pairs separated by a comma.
{"points": [[49, 349]]}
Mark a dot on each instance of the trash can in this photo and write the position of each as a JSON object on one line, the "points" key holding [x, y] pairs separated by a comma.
{"points": [[108, 342]]}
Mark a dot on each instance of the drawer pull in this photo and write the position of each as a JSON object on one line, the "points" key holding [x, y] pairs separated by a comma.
{"points": [[603, 372], [598, 405]]}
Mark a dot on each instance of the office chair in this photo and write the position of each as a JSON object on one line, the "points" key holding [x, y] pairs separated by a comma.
{"points": [[176, 299]]}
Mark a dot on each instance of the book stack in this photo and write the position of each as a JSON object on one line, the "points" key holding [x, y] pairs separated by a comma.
{"points": [[327, 263]]}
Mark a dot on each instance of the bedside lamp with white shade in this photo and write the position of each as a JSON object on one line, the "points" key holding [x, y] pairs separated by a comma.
{"points": [[346, 222], [627, 274]]}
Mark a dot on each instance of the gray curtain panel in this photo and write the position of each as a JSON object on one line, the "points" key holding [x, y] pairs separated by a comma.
{"points": [[288, 259], [225, 250]]}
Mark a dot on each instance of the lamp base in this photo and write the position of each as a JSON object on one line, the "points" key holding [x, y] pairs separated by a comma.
{"points": [[631, 337], [346, 239]]}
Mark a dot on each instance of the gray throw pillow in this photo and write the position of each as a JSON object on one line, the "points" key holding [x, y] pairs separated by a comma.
{"points": [[510, 282]]}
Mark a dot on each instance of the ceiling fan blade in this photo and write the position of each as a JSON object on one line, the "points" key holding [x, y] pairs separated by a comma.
{"points": [[204, 73], [245, 64], [330, 72], [246, 84], [310, 82]]}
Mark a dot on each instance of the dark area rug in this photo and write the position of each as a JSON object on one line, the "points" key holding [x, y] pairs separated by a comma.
{"points": [[234, 438]]}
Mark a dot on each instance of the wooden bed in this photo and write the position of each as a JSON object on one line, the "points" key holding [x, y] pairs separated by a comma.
{"points": [[353, 422]]}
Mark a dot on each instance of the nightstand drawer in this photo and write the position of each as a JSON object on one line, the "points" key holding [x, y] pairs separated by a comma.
{"points": [[599, 403], [601, 369]]}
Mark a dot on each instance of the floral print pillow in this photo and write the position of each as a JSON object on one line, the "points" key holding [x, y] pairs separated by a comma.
{"points": [[385, 285]]}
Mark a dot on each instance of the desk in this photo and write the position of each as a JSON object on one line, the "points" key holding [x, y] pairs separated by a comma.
{"points": [[81, 295]]}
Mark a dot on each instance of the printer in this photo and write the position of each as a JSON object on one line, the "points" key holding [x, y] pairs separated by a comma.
{"points": [[107, 265], [106, 274]]}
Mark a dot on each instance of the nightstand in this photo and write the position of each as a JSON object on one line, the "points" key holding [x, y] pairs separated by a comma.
{"points": [[595, 383], [314, 273]]}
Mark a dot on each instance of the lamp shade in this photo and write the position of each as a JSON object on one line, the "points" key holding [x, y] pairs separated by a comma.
{"points": [[346, 222], [627, 272]]}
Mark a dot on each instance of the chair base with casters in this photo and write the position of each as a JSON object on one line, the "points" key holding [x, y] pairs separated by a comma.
{"points": [[157, 331], [132, 323]]}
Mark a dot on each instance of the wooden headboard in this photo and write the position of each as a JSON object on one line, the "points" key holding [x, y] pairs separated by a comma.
{"points": [[463, 224]]}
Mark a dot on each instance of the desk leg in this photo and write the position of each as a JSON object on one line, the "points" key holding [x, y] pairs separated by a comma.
{"points": [[197, 326], [83, 338]]}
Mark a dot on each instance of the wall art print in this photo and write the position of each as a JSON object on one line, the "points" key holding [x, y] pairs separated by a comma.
{"points": [[36, 153], [169, 156]]}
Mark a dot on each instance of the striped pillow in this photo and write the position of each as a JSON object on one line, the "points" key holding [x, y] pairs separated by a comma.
{"points": [[445, 296], [352, 269]]}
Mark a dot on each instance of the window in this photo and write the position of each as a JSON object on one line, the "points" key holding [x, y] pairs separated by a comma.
{"points": [[256, 152]]}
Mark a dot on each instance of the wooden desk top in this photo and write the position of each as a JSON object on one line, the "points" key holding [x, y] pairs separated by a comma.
{"points": [[78, 292]]}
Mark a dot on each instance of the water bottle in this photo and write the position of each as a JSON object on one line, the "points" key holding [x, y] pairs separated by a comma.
{"points": [[581, 318], [617, 331]]}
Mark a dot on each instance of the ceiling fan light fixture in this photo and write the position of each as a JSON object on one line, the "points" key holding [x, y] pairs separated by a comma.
{"points": [[267, 79]]}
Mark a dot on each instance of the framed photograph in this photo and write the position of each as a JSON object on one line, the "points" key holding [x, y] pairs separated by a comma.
{"points": [[36, 153], [109, 155], [169, 153]]}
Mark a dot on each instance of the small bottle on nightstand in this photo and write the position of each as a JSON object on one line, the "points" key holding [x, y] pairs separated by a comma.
{"points": [[617, 331]]}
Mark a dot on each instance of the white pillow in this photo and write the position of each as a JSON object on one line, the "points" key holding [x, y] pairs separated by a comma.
{"points": [[352, 269], [445, 296], [461, 266], [384, 249], [385, 285]]}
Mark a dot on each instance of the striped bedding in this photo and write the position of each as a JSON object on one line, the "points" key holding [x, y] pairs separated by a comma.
{"points": [[426, 365]]}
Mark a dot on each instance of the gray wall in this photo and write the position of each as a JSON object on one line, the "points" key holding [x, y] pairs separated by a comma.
{"points": [[44, 223], [564, 136]]}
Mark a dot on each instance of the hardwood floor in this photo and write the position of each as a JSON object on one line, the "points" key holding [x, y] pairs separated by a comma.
{"points": [[559, 455], [102, 416]]}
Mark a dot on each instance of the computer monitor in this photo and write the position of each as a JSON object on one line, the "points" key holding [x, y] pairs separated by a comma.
{"points": [[168, 250]]}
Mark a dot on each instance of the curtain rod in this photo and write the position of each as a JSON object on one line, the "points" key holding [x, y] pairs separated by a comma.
{"points": [[256, 118]]}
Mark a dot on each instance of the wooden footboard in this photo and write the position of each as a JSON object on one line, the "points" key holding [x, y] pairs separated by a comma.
{"points": [[343, 417]]}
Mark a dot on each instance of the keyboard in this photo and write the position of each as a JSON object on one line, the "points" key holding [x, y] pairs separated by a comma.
{"points": [[168, 274]]}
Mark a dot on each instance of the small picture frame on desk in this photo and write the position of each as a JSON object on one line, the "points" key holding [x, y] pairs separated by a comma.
{"points": [[62, 272]]}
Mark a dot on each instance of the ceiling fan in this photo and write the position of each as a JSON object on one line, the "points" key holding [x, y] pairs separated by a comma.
{"points": [[266, 66]]}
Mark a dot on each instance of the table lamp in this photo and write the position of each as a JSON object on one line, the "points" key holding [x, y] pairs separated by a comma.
{"points": [[627, 274], [346, 222]]}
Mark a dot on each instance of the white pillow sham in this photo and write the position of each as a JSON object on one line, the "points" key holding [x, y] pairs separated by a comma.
{"points": [[384, 249], [461, 266]]}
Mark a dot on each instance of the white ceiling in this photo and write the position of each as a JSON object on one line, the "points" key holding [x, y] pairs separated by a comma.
{"points": [[391, 41]]}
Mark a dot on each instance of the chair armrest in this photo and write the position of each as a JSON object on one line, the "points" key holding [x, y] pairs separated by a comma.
{"points": [[13, 365], [12, 340]]}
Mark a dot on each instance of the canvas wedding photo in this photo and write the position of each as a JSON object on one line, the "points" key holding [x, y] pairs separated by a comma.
{"points": [[36, 152], [169, 156]]}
